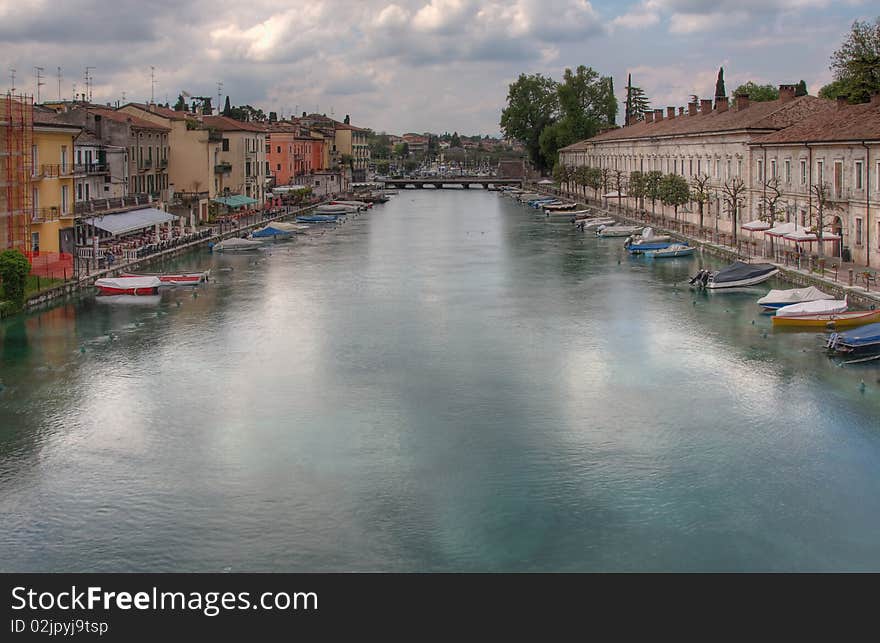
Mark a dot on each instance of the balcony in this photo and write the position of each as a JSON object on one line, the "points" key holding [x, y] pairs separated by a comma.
{"points": [[163, 163], [215, 136], [90, 168], [54, 171], [44, 215], [223, 168]]}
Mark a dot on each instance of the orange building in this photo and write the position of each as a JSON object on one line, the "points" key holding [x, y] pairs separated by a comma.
{"points": [[291, 153]]}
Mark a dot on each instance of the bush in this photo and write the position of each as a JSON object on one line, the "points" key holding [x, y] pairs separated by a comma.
{"points": [[14, 270]]}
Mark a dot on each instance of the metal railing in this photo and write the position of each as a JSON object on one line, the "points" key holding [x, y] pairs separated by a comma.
{"points": [[103, 205], [90, 168], [222, 168], [43, 215], [145, 164], [54, 170]]}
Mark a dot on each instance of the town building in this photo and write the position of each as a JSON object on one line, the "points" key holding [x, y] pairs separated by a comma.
{"points": [[838, 149], [241, 167], [99, 169], [194, 167], [351, 142], [702, 140], [52, 183], [292, 152], [16, 169]]}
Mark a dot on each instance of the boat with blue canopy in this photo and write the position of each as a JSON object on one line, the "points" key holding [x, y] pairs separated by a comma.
{"points": [[865, 339]]}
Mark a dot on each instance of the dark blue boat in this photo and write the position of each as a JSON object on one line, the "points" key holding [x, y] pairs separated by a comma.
{"points": [[317, 218], [864, 339]]}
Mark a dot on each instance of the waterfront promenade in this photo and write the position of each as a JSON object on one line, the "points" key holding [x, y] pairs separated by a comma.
{"points": [[860, 284]]}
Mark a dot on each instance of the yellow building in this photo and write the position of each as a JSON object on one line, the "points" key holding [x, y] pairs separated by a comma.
{"points": [[241, 164], [52, 183]]}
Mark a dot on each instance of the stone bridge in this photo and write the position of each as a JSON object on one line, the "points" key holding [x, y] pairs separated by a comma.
{"points": [[440, 182]]}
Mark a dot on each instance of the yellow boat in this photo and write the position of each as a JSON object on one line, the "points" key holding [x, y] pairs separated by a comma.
{"points": [[830, 321]]}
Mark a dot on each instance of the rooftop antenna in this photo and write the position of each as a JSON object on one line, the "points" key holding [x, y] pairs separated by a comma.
{"points": [[12, 77], [219, 94], [59, 83], [152, 84], [87, 94], [38, 72]]}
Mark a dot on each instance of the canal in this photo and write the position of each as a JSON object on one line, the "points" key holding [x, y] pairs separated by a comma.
{"points": [[447, 383]]}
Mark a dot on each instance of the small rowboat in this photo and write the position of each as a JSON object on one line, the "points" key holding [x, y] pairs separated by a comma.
{"points": [[128, 286], [619, 231], [179, 279], [836, 320]]}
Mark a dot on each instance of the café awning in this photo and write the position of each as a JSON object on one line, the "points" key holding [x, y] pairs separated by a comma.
{"points": [[130, 221], [235, 201]]}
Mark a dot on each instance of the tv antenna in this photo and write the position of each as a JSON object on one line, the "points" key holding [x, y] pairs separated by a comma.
{"points": [[87, 94], [59, 83], [152, 84], [219, 93], [12, 77], [38, 73]]}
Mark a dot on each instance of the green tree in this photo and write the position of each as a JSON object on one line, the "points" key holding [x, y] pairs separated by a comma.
{"points": [[619, 182], [834, 90], [652, 187], [532, 105], [638, 187], [273, 117], [594, 180], [720, 91], [821, 205], [639, 105], [856, 65], [227, 107], [674, 191], [801, 88], [380, 145], [757, 93], [455, 141], [180, 105], [582, 178], [733, 192], [14, 270], [401, 150]]}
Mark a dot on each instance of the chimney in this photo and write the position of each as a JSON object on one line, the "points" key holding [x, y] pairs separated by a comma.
{"points": [[681, 111], [692, 108], [706, 105], [670, 112], [842, 101], [658, 115], [649, 117], [721, 104], [742, 102], [786, 92]]}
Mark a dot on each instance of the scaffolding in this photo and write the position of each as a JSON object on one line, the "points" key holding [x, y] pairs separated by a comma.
{"points": [[16, 171]]}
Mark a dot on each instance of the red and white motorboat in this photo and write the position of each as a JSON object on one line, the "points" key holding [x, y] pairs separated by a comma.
{"points": [[177, 279], [128, 286]]}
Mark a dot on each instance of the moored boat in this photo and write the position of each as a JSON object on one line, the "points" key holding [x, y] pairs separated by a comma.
{"points": [[128, 285], [339, 208], [865, 339], [174, 279], [296, 228], [317, 218], [594, 223], [271, 232], [836, 320], [672, 251], [779, 298], [236, 244], [618, 231], [736, 275], [817, 307]]}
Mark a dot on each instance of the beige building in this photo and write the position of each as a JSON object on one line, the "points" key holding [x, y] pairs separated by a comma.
{"points": [[352, 141], [241, 163], [194, 166], [840, 149], [701, 139]]}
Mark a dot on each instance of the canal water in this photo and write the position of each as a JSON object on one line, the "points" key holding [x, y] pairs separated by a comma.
{"points": [[445, 383]]}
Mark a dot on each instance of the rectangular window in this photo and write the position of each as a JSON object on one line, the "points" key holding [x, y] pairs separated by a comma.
{"points": [[773, 169], [787, 171], [820, 172], [79, 191], [838, 179], [804, 218], [803, 172], [878, 235], [64, 159], [88, 196], [225, 144], [717, 168], [79, 157], [728, 169], [65, 198], [279, 167], [760, 170], [279, 149], [739, 167], [858, 231], [35, 158], [699, 166], [858, 176], [690, 167]]}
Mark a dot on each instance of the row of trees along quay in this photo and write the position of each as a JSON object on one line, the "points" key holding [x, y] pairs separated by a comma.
{"points": [[675, 191]]}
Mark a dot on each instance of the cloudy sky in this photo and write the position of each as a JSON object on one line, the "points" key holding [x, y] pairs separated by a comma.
{"points": [[413, 65]]}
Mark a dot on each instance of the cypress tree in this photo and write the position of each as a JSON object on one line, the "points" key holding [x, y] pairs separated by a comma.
{"points": [[227, 107], [720, 91], [801, 89]]}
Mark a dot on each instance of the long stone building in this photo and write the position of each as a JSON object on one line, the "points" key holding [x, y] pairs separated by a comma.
{"points": [[799, 141]]}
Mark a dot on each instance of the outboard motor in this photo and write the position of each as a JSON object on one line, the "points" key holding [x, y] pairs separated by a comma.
{"points": [[700, 279], [628, 242]]}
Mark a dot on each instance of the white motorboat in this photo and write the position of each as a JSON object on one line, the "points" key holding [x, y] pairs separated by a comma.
{"points": [[778, 298], [736, 275], [235, 244], [594, 224], [815, 307], [618, 231], [337, 208], [295, 228]]}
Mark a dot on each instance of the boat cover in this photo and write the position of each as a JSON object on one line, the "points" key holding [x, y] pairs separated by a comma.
{"points": [[271, 231], [236, 242], [739, 270], [818, 307], [793, 296], [862, 336], [123, 283]]}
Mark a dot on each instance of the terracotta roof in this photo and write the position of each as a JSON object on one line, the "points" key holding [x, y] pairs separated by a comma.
{"points": [[844, 123], [768, 115], [124, 117], [226, 124], [165, 112], [45, 116], [351, 127]]}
